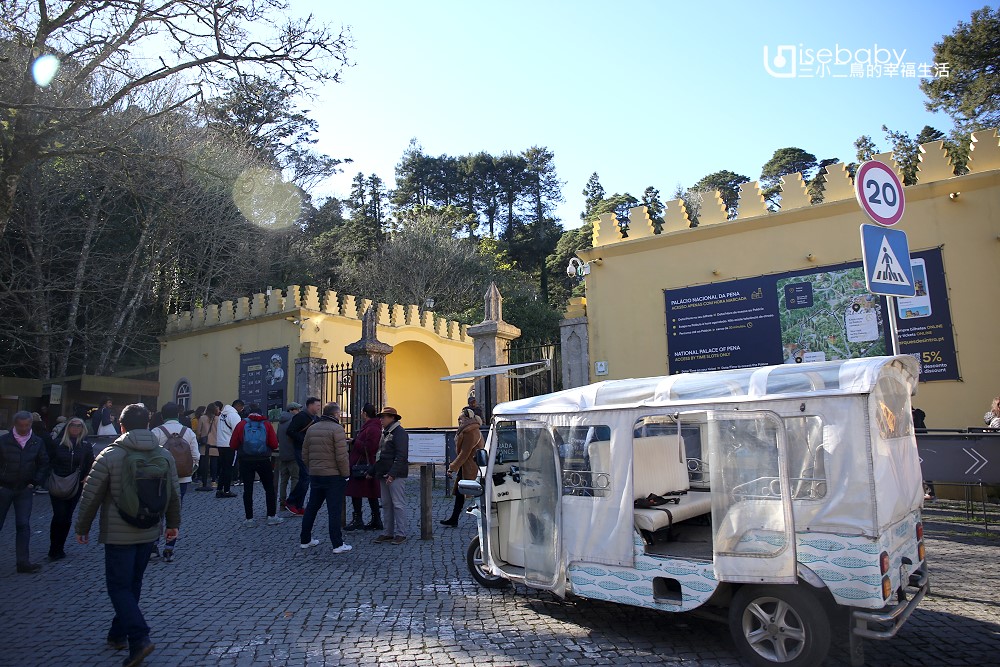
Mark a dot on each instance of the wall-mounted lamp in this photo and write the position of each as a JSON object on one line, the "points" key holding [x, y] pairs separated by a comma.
{"points": [[715, 272], [810, 257], [299, 322], [954, 195]]}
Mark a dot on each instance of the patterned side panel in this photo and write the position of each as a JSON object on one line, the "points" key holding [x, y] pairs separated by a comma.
{"points": [[634, 586]]}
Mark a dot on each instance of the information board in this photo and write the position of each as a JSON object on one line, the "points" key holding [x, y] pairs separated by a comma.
{"points": [[427, 447], [264, 378], [818, 314]]}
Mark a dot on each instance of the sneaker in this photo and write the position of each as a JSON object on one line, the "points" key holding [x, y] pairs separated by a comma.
{"points": [[274, 520], [312, 543], [117, 644], [168, 555], [382, 538], [343, 549], [57, 556], [249, 523], [29, 568], [399, 539], [228, 494], [295, 510]]}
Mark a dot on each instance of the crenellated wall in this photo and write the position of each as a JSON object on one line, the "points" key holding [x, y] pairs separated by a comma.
{"points": [[935, 165], [959, 215], [308, 298]]}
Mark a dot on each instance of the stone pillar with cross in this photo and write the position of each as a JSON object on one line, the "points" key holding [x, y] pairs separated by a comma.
{"points": [[492, 338], [368, 368]]}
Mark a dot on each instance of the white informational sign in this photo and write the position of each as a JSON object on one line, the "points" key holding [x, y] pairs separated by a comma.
{"points": [[427, 447], [55, 397], [600, 368], [861, 324], [879, 192]]}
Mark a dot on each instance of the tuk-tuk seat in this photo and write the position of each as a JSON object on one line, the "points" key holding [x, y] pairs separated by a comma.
{"points": [[659, 466]]}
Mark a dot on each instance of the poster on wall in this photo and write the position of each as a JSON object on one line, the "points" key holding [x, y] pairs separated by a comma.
{"points": [[264, 377], [819, 314]]}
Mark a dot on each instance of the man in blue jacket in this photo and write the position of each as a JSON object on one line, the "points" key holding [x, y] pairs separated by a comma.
{"points": [[24, 465]]}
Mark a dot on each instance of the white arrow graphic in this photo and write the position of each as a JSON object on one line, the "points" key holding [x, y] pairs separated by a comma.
{"points": [[980, 461]]}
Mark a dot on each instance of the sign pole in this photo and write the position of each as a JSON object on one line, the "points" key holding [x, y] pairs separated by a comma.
{"points": [[893, 324]]}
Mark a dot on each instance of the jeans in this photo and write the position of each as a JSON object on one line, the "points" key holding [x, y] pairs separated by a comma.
{"points": [[288, 471], [205, 469], [21, 500], [262, 467], [124, 565], [62, 518], [226, 456], [330, 489], [184, 488], [394, 513], [298, 495]]}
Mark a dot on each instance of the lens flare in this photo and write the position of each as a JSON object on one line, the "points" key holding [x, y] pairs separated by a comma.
{"points": [[44, 69], [266, 200]]}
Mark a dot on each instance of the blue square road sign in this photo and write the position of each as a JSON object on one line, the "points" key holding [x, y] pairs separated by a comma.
{"points": [[887, 261]]}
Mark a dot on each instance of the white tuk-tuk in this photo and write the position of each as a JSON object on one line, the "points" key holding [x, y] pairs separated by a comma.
{"points": [[789, 494]]}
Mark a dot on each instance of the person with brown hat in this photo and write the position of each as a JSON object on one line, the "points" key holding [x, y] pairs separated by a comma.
{"points": [[391, 470]]}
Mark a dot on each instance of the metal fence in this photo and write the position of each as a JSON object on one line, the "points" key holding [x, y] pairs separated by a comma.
{"points": [[540, 383]]}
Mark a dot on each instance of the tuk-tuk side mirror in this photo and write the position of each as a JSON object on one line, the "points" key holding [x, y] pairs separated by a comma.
{"points": [[482, 458], [470, 487]]}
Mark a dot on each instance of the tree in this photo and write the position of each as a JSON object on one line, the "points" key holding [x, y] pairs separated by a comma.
{"points": [[817, 186], [593, 193], [511, 178], [728, 184], [654, 206], [532, 242], [784, 161], [617, 204], [564, 287], [99, 75], [970, 92], [259, 113], [423, 260]]}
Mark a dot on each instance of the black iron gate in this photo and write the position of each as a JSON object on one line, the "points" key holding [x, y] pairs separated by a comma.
{"points": [[340, 384], [541, 383]]}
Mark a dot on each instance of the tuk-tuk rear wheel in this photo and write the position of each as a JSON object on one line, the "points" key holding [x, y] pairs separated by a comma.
{"points": [[779, 625], [474, 559]]}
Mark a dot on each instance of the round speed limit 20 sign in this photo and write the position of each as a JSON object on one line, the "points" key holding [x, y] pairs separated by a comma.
{"points": [[879, 192]]}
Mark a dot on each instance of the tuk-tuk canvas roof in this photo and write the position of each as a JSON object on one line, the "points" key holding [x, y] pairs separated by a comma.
{"points": [[851, 376]]}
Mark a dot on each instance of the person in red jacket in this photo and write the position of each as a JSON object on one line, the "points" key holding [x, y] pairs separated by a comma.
{"points": [[254, 439]]}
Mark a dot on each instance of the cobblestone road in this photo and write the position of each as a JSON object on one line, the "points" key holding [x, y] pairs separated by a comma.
{"points": [[250, 596]]}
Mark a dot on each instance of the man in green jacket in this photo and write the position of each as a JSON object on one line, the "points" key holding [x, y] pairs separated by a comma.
{"points": [[126, 547]]}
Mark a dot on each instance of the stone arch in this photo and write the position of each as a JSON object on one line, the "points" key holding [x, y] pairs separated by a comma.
{"points": [[413, 375]]}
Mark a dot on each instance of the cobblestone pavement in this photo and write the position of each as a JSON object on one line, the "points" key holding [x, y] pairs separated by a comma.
{"points": [[250, 596]]}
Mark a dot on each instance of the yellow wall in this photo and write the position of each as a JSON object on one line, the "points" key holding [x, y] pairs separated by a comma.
{"points": [[426, 348], [625, 301]]}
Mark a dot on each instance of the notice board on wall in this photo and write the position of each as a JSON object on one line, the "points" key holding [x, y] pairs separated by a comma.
{"points": [[264, 378], [817, 314]]}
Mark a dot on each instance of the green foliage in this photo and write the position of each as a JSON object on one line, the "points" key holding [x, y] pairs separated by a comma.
{"points": [[818, 185], [784, 161], [593, 193], [728, 184], [654, 206], [564, 287], [970, 94]]}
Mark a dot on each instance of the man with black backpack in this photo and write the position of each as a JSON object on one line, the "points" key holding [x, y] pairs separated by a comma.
{"points": [[134, 484], [182, 443], [254, 439]]}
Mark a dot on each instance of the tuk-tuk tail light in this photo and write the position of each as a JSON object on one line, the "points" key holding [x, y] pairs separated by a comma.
{"points": [[883, 562], [886, 588], [920, 531], [920, 551]]}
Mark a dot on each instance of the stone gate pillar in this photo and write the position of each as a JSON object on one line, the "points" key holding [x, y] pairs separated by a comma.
{"points": [[491, 338], [575, 344], [368, 368], [308, 373]]}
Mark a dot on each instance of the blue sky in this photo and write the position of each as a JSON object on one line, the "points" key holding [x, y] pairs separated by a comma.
{"points": [[644, 93]]}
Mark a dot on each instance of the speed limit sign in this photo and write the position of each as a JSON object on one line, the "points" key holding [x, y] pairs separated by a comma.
{"points": [[879, 192]]}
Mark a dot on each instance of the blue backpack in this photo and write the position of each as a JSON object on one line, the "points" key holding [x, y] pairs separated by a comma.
{"points": [[254, 439]]}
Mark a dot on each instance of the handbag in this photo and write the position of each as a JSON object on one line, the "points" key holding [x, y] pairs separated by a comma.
{"points": [[64, 487], [361, 470]]}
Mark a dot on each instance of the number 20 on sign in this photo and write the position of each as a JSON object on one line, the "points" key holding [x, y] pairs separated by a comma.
{"points": [[879, 192]]}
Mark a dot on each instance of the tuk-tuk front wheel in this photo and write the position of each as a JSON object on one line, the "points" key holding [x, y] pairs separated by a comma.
{"points": [[779, 625], [474, 558]]}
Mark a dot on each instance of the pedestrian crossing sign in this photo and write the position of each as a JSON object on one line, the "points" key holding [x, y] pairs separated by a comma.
{"points": [[887, 261]]}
